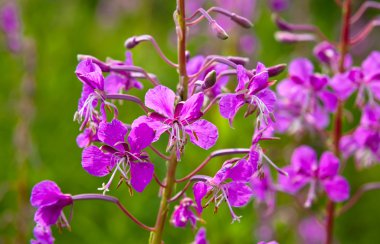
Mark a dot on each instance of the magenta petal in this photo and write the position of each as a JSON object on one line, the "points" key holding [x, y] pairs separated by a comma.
{"points": [[239, 194], [200, 190], [293, 182], [48, 215], [85, 138], [45, 193], [304, 159], [43, 235], [141, 175], [161, 99], [300, 70], [318, 82], [202, 133], [260, 80], [140, 137], [347, 145], [241, 171], [97, 163], [342, 85], [113, 132], [328, 165], [157, 126], [268, 98], [242, 77], [229, 105], [113, 83], [329, 99], [191, 109], [91, 74], [194, 64], [337, 189]]}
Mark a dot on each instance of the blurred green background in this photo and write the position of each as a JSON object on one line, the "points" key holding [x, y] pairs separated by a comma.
{"points": [[37, 132]]}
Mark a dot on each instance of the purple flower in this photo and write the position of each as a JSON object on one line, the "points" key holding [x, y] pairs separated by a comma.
{"points": [[125, 156], [181, 120], [251, 91], [43, 235], [200, 237], [278, 5], [49, 201], [10, 25], [184, 214], [365, 80], [363, 143], [92, 78], [304, 98], [121, 80], [326, 53], [235, 192], [304, 169]]}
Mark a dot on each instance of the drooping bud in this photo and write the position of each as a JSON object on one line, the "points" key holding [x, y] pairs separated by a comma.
{"points": [[243, 22], [326, 52], [287, 37], [210, 80], [218, 30], [276, 70], [238, 60], [131, 42]]}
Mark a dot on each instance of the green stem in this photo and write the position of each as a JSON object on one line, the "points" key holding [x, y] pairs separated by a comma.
{"points": [[337, 127], [157, 234]]}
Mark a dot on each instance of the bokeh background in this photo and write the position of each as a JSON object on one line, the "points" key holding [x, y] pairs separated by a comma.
{"points": [[39, 94]]}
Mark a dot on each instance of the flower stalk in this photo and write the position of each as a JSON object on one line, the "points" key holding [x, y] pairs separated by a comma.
{"points": [[337, 126]]}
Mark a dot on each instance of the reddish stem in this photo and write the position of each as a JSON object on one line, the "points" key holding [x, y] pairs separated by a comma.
{"points": [[344, 45]]}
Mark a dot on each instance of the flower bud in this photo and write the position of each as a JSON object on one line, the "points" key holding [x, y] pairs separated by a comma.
{"points": [[218, 30], [276, 70], [238, 60], [287, 37], [131, 42], [210, 80], [243, 22]]}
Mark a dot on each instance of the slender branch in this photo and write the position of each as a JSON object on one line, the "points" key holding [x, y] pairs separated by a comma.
{"points": [[133, 41], [114, 200], [158, 181], [337, 126], [213, 101], [137, 69], [128, 98], [358, 195], [365, 32], [214, 154], [359, 13], [179, 194], [161, 155]]}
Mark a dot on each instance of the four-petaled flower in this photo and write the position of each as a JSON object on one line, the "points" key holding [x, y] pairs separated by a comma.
{"points": [[184, 214], [364, 79], [182, 119], [254, 92], [92, 78], [304, 97], [235, 192], [125, 156], [363, 143], [49, 201], [304, 169]]}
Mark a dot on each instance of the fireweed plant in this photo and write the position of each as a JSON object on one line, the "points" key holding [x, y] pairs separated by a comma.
{"points": [[303, 103], [306, 101]]}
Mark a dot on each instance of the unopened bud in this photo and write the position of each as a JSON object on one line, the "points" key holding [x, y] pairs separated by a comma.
{"points": [[238, 60], [131, 42], [243, 22], [218, 30], [210, 80], [281, 24], [287, 37], [276, 70]]}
